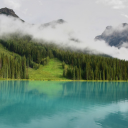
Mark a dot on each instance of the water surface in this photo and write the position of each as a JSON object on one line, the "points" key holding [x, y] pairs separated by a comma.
{"points": [[37, 104]]}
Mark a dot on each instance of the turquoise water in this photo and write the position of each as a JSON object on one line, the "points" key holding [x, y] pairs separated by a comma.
{"points": [[37, 104]]}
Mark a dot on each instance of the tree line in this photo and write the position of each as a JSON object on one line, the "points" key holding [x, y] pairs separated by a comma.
{"points": [[91, 67], [75, 65], [13, 68], [34, 52]]}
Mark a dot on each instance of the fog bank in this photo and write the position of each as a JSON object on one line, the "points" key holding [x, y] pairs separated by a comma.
{"points": [[62, 34]]}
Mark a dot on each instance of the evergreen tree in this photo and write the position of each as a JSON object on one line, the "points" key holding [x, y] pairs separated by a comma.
{"points": [[24, 67], [74, 77]]}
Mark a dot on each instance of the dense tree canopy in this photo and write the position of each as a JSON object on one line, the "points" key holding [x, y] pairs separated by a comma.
{"points": [[75, 65], [14, 68]]}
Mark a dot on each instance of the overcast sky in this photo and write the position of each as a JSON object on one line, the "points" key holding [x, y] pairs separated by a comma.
{"points": [[90, 15]]}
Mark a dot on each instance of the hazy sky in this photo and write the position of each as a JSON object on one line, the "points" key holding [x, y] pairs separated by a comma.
{"points": [[90, 15]]}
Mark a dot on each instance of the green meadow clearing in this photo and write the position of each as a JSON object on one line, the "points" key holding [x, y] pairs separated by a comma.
{"points": [[52, 71]]}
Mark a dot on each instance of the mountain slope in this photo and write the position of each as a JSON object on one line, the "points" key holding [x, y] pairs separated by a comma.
{"points": [[4, 51], [115, 36], [52, 71], [54, 23], [9, 12]]}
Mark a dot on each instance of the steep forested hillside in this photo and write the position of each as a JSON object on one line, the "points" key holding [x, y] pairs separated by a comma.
{"points": [[14, 68], [76, 66], [23, 58]]}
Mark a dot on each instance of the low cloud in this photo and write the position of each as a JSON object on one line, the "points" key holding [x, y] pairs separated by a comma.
{"points": [[116, 4], [60, 34], [126, 16]]}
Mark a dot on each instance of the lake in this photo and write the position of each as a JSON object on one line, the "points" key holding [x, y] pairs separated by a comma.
{"points": [[38, 104]]}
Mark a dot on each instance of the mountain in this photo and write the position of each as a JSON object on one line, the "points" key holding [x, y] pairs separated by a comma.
{"points": [[52, 24], [115, 36], [9, 12]]}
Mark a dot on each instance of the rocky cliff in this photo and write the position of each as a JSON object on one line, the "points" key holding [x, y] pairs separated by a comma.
{"points": [[8, 12], [115, 36]]}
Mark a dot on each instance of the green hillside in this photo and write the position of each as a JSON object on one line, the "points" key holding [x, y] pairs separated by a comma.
{"points": [[52, 71], [42, 61], [4, 51]]}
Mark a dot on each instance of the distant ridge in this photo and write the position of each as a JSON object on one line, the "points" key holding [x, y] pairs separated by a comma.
{"points": [[54, 23], [115, 36], [9, 12]]}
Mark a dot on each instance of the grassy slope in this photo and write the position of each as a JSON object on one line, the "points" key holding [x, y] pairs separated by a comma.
{"points": [[52, 71]]}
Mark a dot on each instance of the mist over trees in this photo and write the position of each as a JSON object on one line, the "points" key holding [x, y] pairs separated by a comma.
{"points": [[76, 66]]}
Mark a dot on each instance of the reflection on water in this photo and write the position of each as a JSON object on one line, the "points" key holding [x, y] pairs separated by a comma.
{"points": [[36, 104]]}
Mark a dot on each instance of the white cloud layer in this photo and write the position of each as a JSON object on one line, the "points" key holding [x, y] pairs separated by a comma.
{"points": [[126, 16], [60, 35], [86, 14], [116, 4]]}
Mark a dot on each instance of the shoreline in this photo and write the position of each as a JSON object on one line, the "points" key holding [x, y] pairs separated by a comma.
{"points": [[54, 80]]}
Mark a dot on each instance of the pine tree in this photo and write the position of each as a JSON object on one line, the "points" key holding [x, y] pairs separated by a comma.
{"points": [[12, 68], [63, 64], [78, 74], [103, 75], [24, 67], [65, 72], [74, 74]]}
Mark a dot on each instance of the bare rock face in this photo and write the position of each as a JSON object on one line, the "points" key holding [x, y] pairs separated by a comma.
{"points": [[54, 23], [9, 12], [115, 36]]}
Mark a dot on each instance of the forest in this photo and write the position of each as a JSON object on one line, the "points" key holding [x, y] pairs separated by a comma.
{"points": [[13, 68], [76, 65]]}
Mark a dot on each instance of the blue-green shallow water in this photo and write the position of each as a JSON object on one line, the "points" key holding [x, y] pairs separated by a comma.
{"points": [[37, 104]]}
